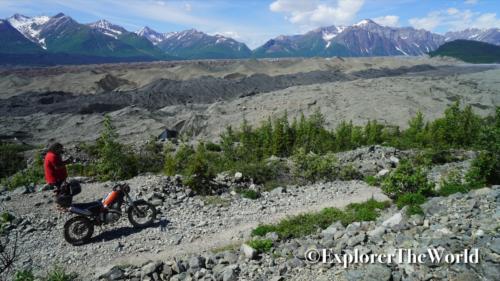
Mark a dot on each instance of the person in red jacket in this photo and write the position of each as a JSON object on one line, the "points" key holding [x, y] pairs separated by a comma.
{"points": [[54, 166]]}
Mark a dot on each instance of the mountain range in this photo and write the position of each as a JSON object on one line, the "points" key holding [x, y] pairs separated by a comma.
{"points": [[60, 39]]}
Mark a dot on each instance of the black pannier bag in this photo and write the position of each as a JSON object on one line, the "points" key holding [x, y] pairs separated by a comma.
{"points": [[64, 196]]}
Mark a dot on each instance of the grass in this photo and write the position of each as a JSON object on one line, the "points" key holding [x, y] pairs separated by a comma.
{"points": [[216, 200], [249, 194], [372, 180], [58, 274], [261, 245], [305, 224]]}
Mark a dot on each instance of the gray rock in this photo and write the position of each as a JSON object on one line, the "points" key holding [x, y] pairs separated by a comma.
{"points": [[249, 252], [230, 273], [377, 272], [115, 273], [278, 191], [196, 263], [150, 267], [394, 220], [355, 240]]}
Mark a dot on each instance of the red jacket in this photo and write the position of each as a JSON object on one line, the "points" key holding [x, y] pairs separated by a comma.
{"points": [[55, 170]]}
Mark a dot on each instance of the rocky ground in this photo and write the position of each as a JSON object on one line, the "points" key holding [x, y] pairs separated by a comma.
{"points": [[185, 225], [200, 99], [453, 224], [199, 237]]}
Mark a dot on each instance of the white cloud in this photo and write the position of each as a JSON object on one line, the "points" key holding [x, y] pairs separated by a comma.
{"points": [[454, 19], [389, 20], [188, 7], [471, 2], [452, 11], [313, 13], [430, 22]]}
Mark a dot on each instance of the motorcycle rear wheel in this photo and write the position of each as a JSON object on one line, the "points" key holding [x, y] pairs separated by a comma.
{"points": [[78, 230], [142, 215]]}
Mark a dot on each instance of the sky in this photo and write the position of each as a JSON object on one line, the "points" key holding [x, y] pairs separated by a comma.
{"points": [[256, 21]]}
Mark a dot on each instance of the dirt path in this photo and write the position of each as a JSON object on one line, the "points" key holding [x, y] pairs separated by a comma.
{"points": [[240, 232]]}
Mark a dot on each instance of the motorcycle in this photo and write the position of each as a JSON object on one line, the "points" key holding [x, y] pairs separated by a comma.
{"points": [[79, 229]]}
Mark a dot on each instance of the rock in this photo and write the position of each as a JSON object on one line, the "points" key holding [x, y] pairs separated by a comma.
{"points": [[150, 267], [230, 273], [196, 263], [377, 272], [377, 232], [355, 240], [393, 221], [115, 273], [278, 191], [238, 176], [249, 252], [394, 160], [382, 173]]}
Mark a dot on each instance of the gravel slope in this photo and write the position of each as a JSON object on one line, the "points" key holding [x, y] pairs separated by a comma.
{"points": [[187, 224]]}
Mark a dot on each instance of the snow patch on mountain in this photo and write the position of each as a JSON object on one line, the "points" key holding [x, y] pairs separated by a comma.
{"points": [[30, 27]]}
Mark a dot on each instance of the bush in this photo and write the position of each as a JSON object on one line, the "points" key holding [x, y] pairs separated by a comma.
{"points": [[409, 199], [11, 158], [210, 146], [31, 175], [24, 275], [312, 167], [348, 172], [116, 161], [305, 224], [250, 194], [261, 245], [372, 180], [485, 169], [58, 274], [149, 158], [200, 175], [406, 179], [453, 184]]}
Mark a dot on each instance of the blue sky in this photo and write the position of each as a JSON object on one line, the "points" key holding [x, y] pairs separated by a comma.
{"points": [[256, 21]]}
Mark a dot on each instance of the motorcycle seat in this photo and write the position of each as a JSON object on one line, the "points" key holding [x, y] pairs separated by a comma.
{"points": [[94, 207]]}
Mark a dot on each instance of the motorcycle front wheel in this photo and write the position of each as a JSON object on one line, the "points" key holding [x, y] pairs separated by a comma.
{"points": [[78, 230], [142, 214]]}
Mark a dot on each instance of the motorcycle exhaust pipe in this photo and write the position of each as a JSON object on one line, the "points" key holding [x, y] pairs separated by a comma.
{"points": [[80, 211]]}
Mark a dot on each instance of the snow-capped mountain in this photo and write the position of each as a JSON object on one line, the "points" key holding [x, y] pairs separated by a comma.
{"points": [[194, 44], [491, 35], [152, 35], [30, 27], [105, 41], [108, 28], [365, 38]]}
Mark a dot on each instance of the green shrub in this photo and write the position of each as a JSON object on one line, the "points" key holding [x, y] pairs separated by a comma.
{"points": [[312, 167], [34, 174], [263, 229], [116, 161], [367, 211], [406, 179], [11, 158], [261, 245], [372, 180], [305, 224], [210, 146], [24, 275], [453, 184], [414, 210], [250, 194], [199, 175], [150, 157], [58, 274], [348, 172], [409, 199], [485, 169]]}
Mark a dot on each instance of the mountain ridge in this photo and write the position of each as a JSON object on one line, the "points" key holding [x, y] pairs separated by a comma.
{"points": [[62, 35]]}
